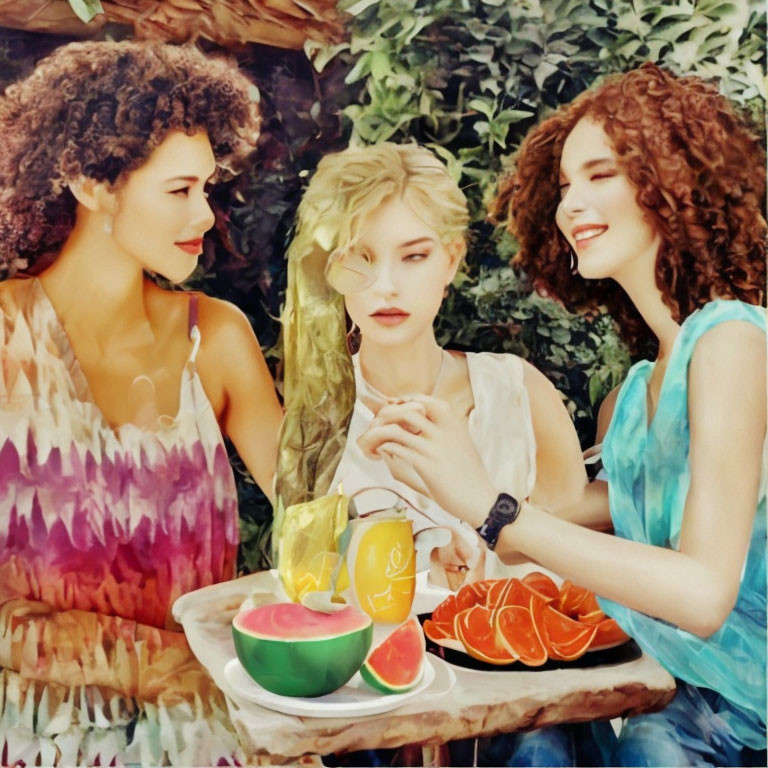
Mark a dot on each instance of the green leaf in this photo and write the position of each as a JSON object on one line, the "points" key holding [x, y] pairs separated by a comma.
{"points": [[543, 71], [482, 106], [490, 84], [595, 388], [513, 115], [630, 21], [357, 7], [673, 33], [380, 66], [320, 54], [360, 70], [418, 25], [86, 10], [481, 53]]}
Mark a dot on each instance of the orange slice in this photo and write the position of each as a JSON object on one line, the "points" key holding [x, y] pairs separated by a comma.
{"points": [[571, 598], [514, 593], [594, 617], [474, 593], [608, 634], [564, 638], [576, 648], [541, 584], [518, 634], [494, 592], [436, 631], [446, 611], [474, 629]]}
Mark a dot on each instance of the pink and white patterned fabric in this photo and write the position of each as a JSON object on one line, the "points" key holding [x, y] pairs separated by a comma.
{"points": [[101, 529]]}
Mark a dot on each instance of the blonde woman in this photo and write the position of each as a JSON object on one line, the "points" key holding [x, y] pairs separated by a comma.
{"points": [[381, 233]]}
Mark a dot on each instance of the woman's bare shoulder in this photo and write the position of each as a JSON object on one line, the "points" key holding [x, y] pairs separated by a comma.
{"points": [[14, 292], [605, 413], [224, 321]]}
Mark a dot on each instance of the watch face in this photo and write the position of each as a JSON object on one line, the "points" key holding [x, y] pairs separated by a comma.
{"points": [[505, 506]]}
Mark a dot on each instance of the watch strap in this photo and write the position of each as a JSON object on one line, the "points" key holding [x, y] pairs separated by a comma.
{"points": [[504, 511]]}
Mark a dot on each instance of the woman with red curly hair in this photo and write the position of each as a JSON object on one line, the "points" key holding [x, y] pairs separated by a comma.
{"points": [[116, 494], [646, 195]]}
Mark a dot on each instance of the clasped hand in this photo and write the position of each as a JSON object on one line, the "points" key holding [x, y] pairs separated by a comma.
{"points": [[424, 443]]}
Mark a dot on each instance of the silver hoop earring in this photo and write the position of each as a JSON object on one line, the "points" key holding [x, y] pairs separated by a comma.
{"points": [[353, 340], [574, 263]]}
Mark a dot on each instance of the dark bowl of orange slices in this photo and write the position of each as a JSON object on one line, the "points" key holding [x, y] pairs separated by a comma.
{"points": [[528, 624]]}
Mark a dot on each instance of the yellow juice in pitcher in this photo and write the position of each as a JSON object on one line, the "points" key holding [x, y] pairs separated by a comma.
{"points": [[381, 566]]}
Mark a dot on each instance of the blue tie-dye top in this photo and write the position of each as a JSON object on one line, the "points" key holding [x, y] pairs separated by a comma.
{"points": [[648, 479]]}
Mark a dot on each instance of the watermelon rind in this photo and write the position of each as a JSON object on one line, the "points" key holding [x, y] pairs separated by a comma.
{"points": [[306, 667], [408, 657], [370, 677]]}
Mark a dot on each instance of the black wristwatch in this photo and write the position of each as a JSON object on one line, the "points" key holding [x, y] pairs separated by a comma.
{"points": [[503, 512]]}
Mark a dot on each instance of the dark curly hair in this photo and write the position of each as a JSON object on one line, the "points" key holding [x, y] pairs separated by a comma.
{"points": [[700, 177], [98, 109]]}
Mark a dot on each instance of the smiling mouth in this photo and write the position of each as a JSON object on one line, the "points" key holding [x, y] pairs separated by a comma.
{"points": [[392, 316], [582, 236], [191, 246]]}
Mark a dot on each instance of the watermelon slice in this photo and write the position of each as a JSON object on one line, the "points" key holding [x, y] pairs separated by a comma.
{"points": [[395, 665], [294, 651]]}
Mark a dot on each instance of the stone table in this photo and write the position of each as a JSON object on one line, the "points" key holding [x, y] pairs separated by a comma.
{"points": [[459, 704]]}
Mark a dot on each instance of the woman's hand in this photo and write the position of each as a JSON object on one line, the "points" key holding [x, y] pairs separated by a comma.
{"points": [[422, 435], [457, 562]]}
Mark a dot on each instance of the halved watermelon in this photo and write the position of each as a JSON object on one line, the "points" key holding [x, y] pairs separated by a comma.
{"points": [[294, 651], [395, 665]]}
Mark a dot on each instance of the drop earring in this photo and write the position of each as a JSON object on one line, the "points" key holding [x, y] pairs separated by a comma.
{"points": [[353, 340], [574, 264], [108, 225]]}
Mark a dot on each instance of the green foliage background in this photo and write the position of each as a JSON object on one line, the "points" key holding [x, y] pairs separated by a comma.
{"points": [[468, 78]]}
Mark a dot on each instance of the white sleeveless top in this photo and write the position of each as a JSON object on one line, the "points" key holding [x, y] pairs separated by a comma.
{"points": [[500, 428]]}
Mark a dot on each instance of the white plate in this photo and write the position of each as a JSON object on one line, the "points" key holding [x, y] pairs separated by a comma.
{"points": [[355, 699]]}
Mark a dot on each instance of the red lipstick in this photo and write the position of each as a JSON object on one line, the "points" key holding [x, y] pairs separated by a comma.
{"points": [[390, 316], [193, 247]]}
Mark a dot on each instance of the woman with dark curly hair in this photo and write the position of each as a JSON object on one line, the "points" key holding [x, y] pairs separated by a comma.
{"points": [[646, 194], [116, 491]]}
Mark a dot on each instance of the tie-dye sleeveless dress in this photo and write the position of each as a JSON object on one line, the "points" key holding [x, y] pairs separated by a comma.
{"points": [[101, 529]]}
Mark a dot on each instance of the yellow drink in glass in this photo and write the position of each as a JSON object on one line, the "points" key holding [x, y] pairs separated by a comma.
{"points": [[381, 562]]}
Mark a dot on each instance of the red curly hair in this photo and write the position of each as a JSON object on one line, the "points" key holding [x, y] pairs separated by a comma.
{"points": [[700, 178], [98, 109]]}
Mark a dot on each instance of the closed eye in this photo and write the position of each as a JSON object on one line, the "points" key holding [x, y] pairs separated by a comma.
{"points": [[605, 175], [183, 191]]}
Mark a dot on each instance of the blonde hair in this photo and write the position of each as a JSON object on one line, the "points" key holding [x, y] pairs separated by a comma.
{"points": [[319, 381]]}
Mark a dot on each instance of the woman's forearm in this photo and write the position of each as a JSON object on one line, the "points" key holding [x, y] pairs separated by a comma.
{"points": [[661, 582], [591, 509]]}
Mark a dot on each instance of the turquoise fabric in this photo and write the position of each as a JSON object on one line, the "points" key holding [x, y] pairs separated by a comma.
{"points": [[648, 480]]}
